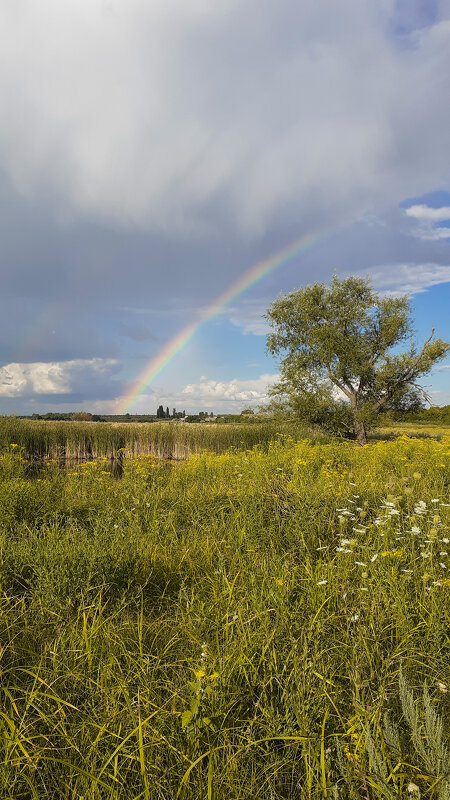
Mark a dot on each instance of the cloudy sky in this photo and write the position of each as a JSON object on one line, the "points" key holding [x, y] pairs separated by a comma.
{"points": [[153, 151]]}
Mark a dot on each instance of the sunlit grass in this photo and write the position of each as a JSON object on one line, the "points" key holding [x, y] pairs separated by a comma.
{"points": [[229, 626], [84, 440]]}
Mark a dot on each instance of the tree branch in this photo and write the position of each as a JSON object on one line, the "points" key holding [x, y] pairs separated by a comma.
{"points": [[337, 383]]}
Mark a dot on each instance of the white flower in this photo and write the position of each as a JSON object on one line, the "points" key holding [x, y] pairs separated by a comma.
{"points": [[441, 564], [389, 505], [445, 541], [425, 555], [394, 513], [359, 530], [342, 550], [344, 542], [356, 495], [443, 553], [415, 529], [361, 563], [324, 547], [374, 558], [239, 475], [354, 618], [441, 686], [409, 571], [321, 583], [413, 789], [364, 589], [351, 484], [435, 500]]}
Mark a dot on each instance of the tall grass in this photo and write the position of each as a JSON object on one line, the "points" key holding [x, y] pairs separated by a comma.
{"points": [[84, 440], [250, 624]]}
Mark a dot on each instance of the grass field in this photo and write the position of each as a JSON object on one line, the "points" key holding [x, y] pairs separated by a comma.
{"points": [[263, 623]]}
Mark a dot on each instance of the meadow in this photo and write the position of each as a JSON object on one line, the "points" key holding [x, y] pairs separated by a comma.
{"points": [[269, 622]]}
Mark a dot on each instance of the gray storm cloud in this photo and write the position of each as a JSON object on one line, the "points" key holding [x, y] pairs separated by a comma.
{"points": [[151, 152], [177, 116]]}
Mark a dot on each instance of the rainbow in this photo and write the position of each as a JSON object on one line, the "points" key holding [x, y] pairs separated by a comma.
{"points": [[256, 273]]}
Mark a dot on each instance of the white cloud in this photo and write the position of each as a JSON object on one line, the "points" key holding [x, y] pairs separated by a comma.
{"points": [[423, 212], [400, 279], [256, 327], [231, 394], [427, 218], [435, 234], [41, 377], [442, 366], [208, 395], [167, 115], [248, 315]]}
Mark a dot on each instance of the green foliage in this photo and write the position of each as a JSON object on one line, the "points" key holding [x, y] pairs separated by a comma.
{"points": [[340, 339]]}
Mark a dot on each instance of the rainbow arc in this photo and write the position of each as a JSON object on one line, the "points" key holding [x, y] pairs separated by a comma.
{"points": [[249, 278]]}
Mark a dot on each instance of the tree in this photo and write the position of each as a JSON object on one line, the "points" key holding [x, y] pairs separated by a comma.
{"points": [[82, 416], [338, 366]]}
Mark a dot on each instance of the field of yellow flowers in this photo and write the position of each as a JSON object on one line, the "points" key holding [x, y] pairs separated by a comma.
{"points": [[256, 624]]}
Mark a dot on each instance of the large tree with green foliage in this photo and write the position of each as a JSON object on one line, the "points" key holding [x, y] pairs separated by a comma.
{"points": [[341, 365]]}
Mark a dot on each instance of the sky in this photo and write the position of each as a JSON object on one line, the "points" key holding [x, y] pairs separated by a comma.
{"points": [[152, 153]]}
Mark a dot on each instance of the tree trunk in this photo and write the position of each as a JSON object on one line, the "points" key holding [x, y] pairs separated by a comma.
{"points": [[360, 431]]}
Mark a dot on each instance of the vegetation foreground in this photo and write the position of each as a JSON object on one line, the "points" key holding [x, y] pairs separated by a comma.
{"points": [[234, 626]]}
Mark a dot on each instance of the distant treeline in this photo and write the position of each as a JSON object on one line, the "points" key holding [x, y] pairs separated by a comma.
{"points": [[86, 416], [202, 416], [437, 415]]}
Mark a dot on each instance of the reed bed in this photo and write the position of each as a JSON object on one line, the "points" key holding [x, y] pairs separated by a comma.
{"points": [[81, 441], [267, 623]]}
